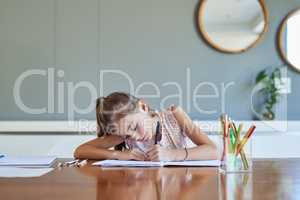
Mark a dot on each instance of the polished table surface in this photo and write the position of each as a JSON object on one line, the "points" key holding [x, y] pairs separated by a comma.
{"points": [[270, 179]]}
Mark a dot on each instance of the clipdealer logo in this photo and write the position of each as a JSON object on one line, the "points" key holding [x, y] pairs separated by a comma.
{"points": [[58, 90]]}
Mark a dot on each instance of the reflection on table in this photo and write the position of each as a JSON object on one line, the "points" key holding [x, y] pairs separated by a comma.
{"points": [[270, 179]]}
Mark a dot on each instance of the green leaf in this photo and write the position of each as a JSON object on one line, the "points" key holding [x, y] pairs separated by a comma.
{"points": [[276, 73], [260, 76]]}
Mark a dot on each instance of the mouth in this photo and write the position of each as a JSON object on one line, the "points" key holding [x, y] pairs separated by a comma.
{"points": [[144, 138], [141, 139]]}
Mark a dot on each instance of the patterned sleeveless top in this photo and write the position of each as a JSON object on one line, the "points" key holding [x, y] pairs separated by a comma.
{"points": [[173, 137]]}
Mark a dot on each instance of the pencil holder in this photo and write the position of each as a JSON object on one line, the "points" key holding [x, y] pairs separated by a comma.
{"points": [[236, 158]]}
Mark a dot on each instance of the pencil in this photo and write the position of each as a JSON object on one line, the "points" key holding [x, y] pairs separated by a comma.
{"points": [[239, 130], [232, 138], [245, 139], [235, 134], [234, 127], [244, 160], [237, 140], [224, 137], [157, 133]]}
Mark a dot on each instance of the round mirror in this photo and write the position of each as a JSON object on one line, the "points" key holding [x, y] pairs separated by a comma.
{"points": [[232, 26], [289, 41]]}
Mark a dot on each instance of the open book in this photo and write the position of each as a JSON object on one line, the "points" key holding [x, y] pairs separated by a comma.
{"points": [[132, 163]]}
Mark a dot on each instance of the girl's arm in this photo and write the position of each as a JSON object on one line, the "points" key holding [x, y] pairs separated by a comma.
{"points": [[99, 149], [205, 149]]}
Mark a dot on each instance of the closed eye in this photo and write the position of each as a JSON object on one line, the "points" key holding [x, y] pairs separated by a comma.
{"points": [[133, 128], [127, 137]]}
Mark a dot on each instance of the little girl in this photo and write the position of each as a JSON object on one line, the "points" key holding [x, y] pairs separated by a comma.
{"points": [[138, 133]]}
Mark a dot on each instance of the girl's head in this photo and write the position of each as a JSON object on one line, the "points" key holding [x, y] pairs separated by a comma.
{"points": [[124, 115]]}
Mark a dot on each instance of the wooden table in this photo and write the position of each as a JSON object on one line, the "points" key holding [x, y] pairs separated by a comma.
{"points": [[271, 179]]}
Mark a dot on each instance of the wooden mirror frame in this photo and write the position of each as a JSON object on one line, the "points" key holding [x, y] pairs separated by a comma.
{"points": [[280, 43], [210, 42]]}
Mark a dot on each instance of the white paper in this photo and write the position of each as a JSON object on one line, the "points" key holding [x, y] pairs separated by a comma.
{"points": [[39, 161], [196, 163], [15, 172], [131, 163]]}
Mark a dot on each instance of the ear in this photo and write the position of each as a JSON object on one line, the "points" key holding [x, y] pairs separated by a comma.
{"points": [[143, 106]]}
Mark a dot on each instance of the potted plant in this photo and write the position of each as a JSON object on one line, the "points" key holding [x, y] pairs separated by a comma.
{"points": [[269, 84]]}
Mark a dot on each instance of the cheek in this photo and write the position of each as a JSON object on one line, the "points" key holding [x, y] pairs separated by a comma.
{"points": [[146, 126]]}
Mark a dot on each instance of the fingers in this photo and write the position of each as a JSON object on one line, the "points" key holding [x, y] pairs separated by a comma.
{"points": [[152, 150], [154, 147], [154, 157], [153, 153], [172, 107], [137, 155]]}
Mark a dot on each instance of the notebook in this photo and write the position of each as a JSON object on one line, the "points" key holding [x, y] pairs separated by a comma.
{"points": [[132, 163], [27, 161], [16, 172]]}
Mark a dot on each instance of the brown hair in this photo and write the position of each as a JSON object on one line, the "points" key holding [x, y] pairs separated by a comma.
{"points": [[112, 108]]}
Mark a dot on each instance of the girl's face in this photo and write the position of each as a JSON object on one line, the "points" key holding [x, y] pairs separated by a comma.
{"points": [[139, 125]]}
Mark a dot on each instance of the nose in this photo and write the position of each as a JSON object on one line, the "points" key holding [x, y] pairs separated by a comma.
{"points": [[140, 129], [138, 136]]}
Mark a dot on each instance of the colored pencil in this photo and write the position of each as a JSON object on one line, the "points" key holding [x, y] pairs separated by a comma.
{"points": [[237, 140], [245, 139], [239, 130]]}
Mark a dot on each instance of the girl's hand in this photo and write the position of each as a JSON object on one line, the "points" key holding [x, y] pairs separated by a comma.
{"points": [[158, 153], [132, 154], [172, 108]]}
